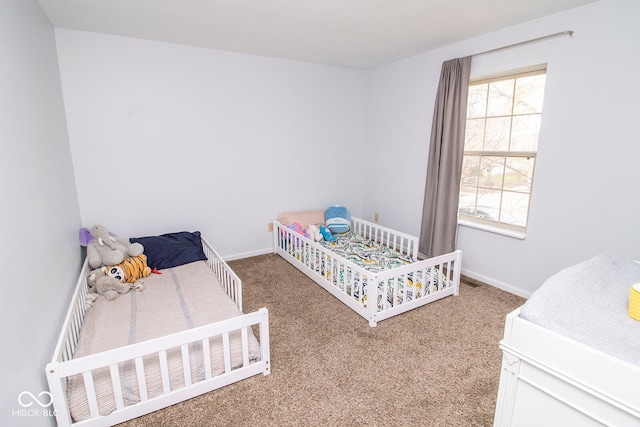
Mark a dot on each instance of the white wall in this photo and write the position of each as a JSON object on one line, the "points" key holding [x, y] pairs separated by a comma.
{"points": [[168, 137], [585, 196], [39, 214]]}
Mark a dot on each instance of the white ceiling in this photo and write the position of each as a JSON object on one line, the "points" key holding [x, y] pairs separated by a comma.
{"points": [[350, 33]]}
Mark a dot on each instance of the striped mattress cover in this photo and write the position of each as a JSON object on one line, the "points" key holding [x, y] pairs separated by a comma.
{"points": [[180, 298]]}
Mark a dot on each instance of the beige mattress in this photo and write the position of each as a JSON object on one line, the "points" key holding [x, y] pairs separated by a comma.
{"points": [[180, 298]]}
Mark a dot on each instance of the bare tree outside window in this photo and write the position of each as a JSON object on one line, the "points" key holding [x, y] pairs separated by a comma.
{"points": [[501, 142]]}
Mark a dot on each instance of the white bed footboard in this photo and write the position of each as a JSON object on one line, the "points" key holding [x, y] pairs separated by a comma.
{"points": [[64, 366], [392, 291]]}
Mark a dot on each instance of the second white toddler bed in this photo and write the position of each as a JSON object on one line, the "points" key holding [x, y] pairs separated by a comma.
{"points": [[368, 263], [183, 335]]}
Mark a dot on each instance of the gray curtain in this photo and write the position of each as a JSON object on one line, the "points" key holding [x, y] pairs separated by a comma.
{"points": [[440, 212]]}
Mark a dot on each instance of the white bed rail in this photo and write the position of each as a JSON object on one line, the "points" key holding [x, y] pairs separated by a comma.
{"points": [[63, 365], [426, 280], [409, 286], [403, 243], [68, 339], [226, 276]]}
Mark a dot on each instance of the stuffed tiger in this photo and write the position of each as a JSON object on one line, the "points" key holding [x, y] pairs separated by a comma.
{"points": [[129, 270]]}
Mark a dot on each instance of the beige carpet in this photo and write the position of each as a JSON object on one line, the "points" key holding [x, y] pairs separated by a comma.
{"points": [[437, 365]]}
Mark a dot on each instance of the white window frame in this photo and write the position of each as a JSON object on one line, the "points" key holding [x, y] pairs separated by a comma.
{"points": [[496, 226]]}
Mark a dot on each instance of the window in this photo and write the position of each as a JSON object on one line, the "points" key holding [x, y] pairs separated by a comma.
{"points": [[501, 141]]}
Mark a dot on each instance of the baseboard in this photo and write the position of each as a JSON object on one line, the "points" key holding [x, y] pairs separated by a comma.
{"points": [[496, 283], [249, 254]]}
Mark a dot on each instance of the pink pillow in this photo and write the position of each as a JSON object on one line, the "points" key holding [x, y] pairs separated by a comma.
{"points": [[305, 218]]}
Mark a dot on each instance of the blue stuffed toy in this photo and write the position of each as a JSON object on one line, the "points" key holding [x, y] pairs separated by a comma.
{"points": [[337, 219], [326, 234]]}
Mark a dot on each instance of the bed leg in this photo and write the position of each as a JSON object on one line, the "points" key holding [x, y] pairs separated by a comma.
{"points": [[276, 231], [507, 390], [58, 395], [457, 271], [265, 346]]}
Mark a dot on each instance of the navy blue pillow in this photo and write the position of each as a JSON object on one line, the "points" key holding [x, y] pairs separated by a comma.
{"points": [[171, 249]]}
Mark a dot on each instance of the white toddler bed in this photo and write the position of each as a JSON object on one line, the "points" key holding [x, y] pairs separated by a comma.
{"points": [[370, 263], [182, 336], [571, 353]]}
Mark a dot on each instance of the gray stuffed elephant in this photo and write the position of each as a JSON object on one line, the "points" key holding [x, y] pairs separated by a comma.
{"points": [[107, 286], [107, 249]]}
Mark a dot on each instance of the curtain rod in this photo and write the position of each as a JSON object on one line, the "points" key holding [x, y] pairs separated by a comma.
{"points": [[562, 33]]}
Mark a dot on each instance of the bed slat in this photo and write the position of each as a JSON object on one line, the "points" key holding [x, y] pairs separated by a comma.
{"points": [[186, 367], [432, 281], [226, 351], [206, 354], [164, 371], [352, 282], [68, 350], [245, 347], [117, 386], [91, 393], [142, 385], [75, 325]]}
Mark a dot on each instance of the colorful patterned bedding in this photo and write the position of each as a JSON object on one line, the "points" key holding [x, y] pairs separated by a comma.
{"points": [[366, 253], [374, 258]]}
